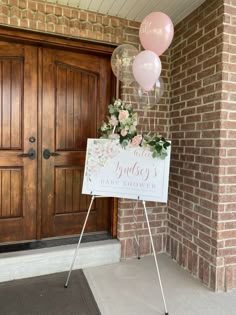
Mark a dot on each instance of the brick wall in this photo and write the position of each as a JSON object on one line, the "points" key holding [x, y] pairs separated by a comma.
{"points": [[62, 20], [70, 22], [202, 202]]}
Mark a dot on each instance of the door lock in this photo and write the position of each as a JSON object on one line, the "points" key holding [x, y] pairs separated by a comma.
{"points": [[47, 154], [32, 139], [31, 154]]}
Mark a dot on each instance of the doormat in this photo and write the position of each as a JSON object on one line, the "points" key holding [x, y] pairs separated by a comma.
{"points": [[53, 242], [46, 295]]}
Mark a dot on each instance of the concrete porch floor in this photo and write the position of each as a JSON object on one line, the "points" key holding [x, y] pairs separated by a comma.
{"points": [[132, 288]]}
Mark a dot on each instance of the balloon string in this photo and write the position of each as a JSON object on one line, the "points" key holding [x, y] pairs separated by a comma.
{"points": [[117, 85], [155, 117], [144, 121], [149, 118], [117, 88], [130, 101]]}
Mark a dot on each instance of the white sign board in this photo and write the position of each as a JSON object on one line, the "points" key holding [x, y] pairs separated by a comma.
{"points": [[131, 173]]}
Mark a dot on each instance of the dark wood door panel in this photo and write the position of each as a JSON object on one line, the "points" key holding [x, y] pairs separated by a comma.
{"points": [[18, 117], [11, 193], [76, 91], [75, 101], [68, 182], [11, 90]]}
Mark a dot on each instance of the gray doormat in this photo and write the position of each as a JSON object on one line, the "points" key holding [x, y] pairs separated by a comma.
{"points": [[46, 295]]}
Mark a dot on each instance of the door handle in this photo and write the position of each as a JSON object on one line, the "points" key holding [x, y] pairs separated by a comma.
{"points": [[31, 154], [47, 154]]}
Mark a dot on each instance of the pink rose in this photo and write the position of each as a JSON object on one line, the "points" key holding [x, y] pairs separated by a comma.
{"points": [[123, 132], [113, 121], [123, 115], [136, 141]]}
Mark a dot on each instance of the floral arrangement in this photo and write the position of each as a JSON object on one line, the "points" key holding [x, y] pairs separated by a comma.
{"points": [[122, 124]]}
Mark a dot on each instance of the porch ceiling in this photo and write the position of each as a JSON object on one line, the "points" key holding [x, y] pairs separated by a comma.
{"points": [[135, 9]]}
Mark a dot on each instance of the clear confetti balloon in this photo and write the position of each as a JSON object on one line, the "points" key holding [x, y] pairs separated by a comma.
{"points": [[151, 98], [122, 61]]}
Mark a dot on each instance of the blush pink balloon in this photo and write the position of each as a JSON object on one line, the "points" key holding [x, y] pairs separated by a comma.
{"points": [[146, 69], [156, 32]]}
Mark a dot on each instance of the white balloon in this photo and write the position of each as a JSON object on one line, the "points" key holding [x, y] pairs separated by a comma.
{"points": [[146, 69]]}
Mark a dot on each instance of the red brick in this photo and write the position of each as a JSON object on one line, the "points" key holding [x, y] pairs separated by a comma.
{"points": [[225, 252], [14, 21], [227, 234], [63, 21], [129, 248], [105, 20], [220, 279], [33, 25], [3, 19], [39, 17], [50, 28], [145, 245], [13, 3], [41, 7], [158, 243], [207, 256], [216, 40], [193, 118], [49, 9], [15, 12], [24, 23], [210, 55], [4, 10], [41, 26], [58, 11], [206, 273], [51, 18], [22, 4]]}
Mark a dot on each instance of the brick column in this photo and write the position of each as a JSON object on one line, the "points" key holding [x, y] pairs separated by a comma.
{"points": [[226, 228], [202, 228]]}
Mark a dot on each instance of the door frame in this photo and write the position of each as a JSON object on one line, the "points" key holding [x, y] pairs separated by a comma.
{"points": [[74, 45]]}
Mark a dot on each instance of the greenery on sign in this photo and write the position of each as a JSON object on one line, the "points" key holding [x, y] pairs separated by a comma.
{"points": [[158, 145], [122, 124]]}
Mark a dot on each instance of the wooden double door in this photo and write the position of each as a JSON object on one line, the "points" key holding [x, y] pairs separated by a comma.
{"points": [[51, 101]]}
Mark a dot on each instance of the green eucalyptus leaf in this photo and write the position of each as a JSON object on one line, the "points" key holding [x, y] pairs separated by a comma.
{"points": [[154, 154], [166, 145], [111, 110], [152, 143]]}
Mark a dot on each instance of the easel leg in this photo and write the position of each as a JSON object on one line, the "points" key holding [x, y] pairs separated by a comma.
{"points": [[155, 258], [80, 238], [137, 245]]}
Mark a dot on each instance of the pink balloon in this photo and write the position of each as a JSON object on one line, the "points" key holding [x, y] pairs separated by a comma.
{"points": [[156, 32], [146, 69]]}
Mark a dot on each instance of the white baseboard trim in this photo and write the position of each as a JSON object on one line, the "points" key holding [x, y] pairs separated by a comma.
{"points": [[37, 262]]}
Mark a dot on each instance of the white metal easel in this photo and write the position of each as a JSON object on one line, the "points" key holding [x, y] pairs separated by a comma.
{"points": [[152, 245]]}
